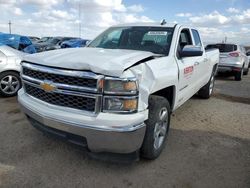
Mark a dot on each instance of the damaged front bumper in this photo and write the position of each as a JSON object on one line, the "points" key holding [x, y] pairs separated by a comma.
{"points": [[115, 133]]}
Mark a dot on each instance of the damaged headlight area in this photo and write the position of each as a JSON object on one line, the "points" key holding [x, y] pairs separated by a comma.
{"points": [[120, 86], [120, 95]]}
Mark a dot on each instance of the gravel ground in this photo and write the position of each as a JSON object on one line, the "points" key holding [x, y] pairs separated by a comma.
{"points": [[208, 146]]}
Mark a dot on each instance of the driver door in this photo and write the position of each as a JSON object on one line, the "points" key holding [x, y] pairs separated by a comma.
{"points": [[186, 68]]}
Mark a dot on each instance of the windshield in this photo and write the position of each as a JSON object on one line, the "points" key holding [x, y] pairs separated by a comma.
{"points": [[153, 39]]}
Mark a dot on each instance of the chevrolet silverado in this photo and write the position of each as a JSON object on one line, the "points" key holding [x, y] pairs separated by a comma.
{"points": [[117, 94]]}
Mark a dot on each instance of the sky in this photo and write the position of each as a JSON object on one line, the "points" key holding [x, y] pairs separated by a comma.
{"points": [[215, 19]]}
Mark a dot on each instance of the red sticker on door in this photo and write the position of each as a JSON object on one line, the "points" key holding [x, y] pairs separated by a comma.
{"points": [[189, 69]]}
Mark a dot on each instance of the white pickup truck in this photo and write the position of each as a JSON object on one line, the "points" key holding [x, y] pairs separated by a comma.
{"points": [[117, 94]]}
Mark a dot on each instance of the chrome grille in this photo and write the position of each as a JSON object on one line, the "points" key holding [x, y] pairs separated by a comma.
{"points": [[71, 101], [72, 89], [62, 79]]}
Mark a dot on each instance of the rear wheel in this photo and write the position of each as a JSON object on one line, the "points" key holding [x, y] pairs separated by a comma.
{"points": [[238, 75], [246, 71], [157, 127], [206, 91], [10, 83]]}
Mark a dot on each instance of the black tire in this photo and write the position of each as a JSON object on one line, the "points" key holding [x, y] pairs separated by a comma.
{"points": [[206, 91], [15, 83], [246, 71], [238, 75], [157, 106]]}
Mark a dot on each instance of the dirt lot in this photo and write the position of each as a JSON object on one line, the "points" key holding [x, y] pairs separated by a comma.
{"points": [[208, 146]]}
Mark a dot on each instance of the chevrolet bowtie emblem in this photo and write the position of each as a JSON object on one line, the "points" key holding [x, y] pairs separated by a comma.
{"points": [[48, 86]]}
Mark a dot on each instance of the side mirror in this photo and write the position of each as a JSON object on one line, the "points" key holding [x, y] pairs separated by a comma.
{"points": [[190, 51], [248, 53]]}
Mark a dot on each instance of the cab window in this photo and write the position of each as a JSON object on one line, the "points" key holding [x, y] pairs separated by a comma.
{"points": [[184, 39], [196, 36]]}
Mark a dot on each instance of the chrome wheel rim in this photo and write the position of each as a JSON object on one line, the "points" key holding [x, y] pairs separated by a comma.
{"points": [[211, 86], [160, 129], [9, 84]]}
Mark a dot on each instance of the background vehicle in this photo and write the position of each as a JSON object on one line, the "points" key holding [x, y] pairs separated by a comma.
{"points": [[117, 94], [74, 43], [43, 39], [10, 81], [248, 55], [17, 42], [52, 43], [12, 50], [232, 59], [34, 39]]}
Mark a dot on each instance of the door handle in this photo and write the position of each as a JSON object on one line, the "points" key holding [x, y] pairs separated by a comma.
{"points": [[196, 63]]}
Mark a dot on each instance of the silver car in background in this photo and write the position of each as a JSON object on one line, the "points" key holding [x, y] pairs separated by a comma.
{"points": [[233, 59], [248, 55], [10, 60]]}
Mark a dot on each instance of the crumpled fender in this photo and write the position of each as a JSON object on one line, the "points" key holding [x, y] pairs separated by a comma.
{"points": [[154, 75]]}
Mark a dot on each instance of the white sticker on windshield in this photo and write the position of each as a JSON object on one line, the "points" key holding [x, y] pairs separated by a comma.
{"points": [[157, 33]]}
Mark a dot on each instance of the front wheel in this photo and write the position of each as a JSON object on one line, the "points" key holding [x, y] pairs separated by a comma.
{"points": [[10, 83], [157, 127]]}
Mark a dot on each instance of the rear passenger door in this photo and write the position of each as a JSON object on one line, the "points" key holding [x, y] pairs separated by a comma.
{"points": [[201, 64]]}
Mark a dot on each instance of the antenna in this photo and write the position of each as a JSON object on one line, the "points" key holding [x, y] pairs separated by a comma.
{"points": [[163, 22], [80, 25]]}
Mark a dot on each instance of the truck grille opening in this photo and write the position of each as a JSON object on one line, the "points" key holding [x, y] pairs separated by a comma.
{"points": [[62, 79], [73, 88], [71, 101]]}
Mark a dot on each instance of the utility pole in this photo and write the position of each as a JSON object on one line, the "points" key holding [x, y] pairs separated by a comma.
{"points": [[10, 26], [80, 25]]}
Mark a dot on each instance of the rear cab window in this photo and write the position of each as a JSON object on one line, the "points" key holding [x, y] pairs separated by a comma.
{"points": [[197, 39]]}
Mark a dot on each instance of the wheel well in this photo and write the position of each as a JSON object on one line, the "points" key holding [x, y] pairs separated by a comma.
{"points": [[10, 71], [167, 93]]}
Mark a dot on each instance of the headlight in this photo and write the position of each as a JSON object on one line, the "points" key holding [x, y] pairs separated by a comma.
{"points": [[120, 86], [120, 95], [120, 104]]}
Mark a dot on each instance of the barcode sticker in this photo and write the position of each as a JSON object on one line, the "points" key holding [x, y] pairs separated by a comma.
{"points": [[157, 33]]}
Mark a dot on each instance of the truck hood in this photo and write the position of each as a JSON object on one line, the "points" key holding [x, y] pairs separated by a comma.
{"points": [[111, 62]]}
